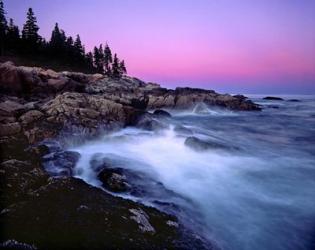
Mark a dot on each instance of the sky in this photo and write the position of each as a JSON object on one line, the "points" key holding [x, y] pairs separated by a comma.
{"points": [[232, 46]]}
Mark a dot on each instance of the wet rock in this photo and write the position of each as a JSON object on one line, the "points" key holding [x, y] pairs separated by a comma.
{"points": [[147, 122], [294, 100], [61, 163], [273, 98], [161, 113], [114, 180], [68, 213], [200, 145]]}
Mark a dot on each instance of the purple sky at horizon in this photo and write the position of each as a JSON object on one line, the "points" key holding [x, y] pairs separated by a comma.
{"points": [[243, 46]]}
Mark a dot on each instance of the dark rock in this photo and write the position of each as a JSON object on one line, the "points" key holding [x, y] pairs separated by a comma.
{"points": [[13, 147], [19, 179], [114, 180], [15, 245], [200, 145], [273, 106], [161, 113], [68, 213], [140, 103], [294, 100], [273, 98]]}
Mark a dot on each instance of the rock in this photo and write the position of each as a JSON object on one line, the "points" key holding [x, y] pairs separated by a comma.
{"points": [[200, 145], [9, 129], [161, 113], [273, 98], [68, 213], [57, 84], [13, 147], [147, 122], [294, 100], [19, 179], [114, 180], [142, 219], [30, 117], [84, 110], [61, 163], [10, 108], [15, 245], [10, 78]]}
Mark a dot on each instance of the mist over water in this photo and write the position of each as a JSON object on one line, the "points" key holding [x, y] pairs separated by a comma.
{"points": [[259, 195]]}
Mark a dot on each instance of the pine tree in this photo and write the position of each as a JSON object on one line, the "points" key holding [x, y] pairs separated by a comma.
{"points": [[30, 30], [3, 28], [79, 50], [89, 61], [57, 40], [98, 60], [116, 73], [13, 35], [108, 59], [122, 68]]}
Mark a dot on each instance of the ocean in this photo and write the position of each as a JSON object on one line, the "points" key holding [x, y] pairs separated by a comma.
{"points": [[255, 191]]}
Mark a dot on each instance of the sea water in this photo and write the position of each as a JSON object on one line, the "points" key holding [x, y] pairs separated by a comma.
{"points": [[259, 196]]}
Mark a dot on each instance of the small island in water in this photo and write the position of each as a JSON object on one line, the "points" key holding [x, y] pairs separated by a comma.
{"points": [[91, 158]]}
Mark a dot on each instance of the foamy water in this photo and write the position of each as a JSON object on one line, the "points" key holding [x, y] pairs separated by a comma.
{"points": [[260, 196]]}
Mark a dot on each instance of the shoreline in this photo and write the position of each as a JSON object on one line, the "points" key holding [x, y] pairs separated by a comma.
{"points": [[38, 105]]}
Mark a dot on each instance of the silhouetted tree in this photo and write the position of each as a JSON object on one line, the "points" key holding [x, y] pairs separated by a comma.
{"points": [[97, 60], [30, 36], [12, 36], [108, 59], [78, 50], [3, 28], [122, 67], [116, 73], [89, 61], [58, 42], [60, 48]]}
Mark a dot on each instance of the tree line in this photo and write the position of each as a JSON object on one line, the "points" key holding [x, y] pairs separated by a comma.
{"points": [[60, 47]]}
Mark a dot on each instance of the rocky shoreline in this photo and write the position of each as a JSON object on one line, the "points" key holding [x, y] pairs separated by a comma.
{"points": [[39, 211]]}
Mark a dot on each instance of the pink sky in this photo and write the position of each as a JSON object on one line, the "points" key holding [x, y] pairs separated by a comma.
{"points": [[246, 46]]}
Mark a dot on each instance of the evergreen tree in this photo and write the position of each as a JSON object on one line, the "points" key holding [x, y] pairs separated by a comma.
{"points": [[122, 68], [13, 36], [89, 61], [30, 30], [69, 49], [78, 48], [57, 41], [116, 73], [3, 27], [107, 60], [98, 60]]}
